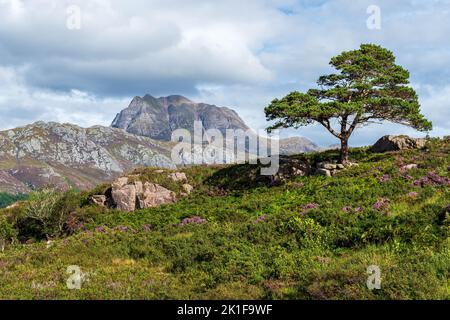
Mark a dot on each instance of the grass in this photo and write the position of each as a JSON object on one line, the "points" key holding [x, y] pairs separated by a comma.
{"points": [[290, 252]]}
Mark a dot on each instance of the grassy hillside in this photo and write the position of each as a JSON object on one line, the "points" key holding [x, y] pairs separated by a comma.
{"points": [[309, 238]]}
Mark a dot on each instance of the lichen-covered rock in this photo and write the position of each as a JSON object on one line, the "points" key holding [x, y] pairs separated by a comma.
{"points": [[289, 168], [188, 188], [119, 182], [178, 176], [99, 200], [125, 197], [395, 143], [129, 196], [155, 195], [323, 172], [327, 166]]}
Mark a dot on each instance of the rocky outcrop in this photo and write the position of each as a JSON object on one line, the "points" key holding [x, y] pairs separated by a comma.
{"points": [[330, 169], [395, 143], [124, 195], [154, 195], [99, 200], [291, 168], [178, 176], [130, 195]]}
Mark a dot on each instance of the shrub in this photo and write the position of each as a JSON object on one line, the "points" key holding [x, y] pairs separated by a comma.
{"points": [[46, 213], [7, 232]]}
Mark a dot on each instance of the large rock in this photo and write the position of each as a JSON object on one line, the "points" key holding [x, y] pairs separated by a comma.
{"points": [[395, 143], [125, 197], [290, 167], [129, 196], [154, 195], [178, 176], [188, 188]]}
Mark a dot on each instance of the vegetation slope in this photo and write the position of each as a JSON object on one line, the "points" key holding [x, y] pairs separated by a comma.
{"points": [[240, 236]]}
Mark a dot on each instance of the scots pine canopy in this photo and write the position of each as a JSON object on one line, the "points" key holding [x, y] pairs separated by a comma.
{"points": [[368, 87]]}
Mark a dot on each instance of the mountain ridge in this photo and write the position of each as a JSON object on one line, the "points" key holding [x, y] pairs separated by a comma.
{"points": [[69, 156], [158, 117]]}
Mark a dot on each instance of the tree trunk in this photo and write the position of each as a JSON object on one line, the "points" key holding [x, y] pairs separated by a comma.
{"points": [[344, 151]]}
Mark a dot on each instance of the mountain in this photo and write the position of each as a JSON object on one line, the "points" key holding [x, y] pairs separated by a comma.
{"points": [[158, 117], [66, 155], [296, 145]]}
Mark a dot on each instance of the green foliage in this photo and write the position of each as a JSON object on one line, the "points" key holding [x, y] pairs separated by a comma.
{"points": [[7, 199], [8, 233], [368, 87], [46, 213], [259, 241]]}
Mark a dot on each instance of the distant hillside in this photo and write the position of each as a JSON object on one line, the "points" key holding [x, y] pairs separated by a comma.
{"points": [[66, 155], [296, 145]]}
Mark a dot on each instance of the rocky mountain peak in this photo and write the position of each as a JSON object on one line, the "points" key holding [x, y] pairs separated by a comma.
{"points": [[158, 117], [175, 100]]}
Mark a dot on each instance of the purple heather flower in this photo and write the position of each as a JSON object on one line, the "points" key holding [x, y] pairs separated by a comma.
{"points": [[359, 209], [385, 178], [413, 194], [122, 228], [100, 229], [432, 179], [261, 218], [381, 204], [192, 220], [308, 207], [347, 209]]}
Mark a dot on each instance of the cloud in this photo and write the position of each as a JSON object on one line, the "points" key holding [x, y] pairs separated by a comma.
{"points": [[21, 105], [127, 48], [233, 53]]}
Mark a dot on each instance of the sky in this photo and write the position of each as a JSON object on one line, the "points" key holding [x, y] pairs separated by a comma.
{"points": [[82, 61]]}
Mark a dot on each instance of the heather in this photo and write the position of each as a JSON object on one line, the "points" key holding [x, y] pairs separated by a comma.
{"points": [[239, 235]]}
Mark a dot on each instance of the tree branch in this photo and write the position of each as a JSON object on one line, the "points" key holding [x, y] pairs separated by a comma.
{"points": [[327, 125]]}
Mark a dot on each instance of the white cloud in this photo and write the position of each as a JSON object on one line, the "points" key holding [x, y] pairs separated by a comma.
{"points": [[235, 53], [20, 105]]}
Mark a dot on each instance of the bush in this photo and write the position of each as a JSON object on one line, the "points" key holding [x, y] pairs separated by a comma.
{"points": [[7, 232], [46, 213]]}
